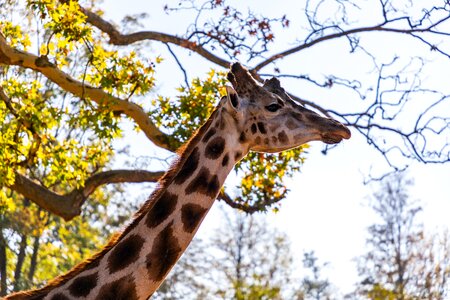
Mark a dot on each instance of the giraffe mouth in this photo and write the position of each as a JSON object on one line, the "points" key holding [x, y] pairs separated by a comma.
{"points": [[336, 136]]}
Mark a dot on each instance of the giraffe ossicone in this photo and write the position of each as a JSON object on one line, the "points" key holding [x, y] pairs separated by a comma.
{"points": [[135, 262]]}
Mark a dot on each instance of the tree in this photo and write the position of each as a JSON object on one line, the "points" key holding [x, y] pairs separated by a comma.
{"points": [[190, 278], [433, 267], [70, 79], [112, 80], [37, 246], [402, 262], [60, 112], [314, 286], [255, 259], [245, 259]]}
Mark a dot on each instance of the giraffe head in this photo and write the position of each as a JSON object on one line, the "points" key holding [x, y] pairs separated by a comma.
{"points": [[270, 120]]}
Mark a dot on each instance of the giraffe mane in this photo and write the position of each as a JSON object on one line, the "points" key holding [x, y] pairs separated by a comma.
{"points": [[183, 153]]}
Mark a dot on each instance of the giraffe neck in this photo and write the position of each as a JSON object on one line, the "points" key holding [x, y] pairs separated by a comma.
{"points": [[170, 224], [134, 264]]}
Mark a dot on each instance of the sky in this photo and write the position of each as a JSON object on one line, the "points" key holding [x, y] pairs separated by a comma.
{"points": [[325, 210]]}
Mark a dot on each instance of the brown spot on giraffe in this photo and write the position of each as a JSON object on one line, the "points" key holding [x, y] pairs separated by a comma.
{"points": [[225, 160], [121, 289], [163, 207], [314, 118], [92, 264], [283, 137], [208, 135], [191, 215], [188, 167], [291, 124], [253, 128], [298, 117], [237, 155], [242, 138], [204, 183], [274, 139], [82, 286], [215, 148], [261, 128], [258, 140], [164, 254], [125, 253], [57, 296]]}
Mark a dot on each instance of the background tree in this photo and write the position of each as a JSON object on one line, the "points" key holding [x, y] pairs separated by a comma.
{"points": [[402, 262], [191, 278], [245, 258], [313, 285], [255, 259], [60, 112], [71, 81]]}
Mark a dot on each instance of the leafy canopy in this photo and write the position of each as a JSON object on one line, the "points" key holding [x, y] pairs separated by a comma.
{"points": [[59, 135]]}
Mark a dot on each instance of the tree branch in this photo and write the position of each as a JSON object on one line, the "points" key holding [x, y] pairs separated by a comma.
{"points": [[69, 206], [228, 200], [11, 56], [344, 33], [117, 38], [3, 263], [180, 65], [249, 209]]}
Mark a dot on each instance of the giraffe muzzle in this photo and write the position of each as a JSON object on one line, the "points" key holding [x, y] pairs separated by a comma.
{"points": [[336, 136]]}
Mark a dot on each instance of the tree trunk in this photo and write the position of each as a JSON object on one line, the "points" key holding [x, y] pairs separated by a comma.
{"points": [[238, 293], [34, 255], [2, 264], [20, 260]]}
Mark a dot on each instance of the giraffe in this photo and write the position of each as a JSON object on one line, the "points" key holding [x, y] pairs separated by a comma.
{"points": [[134, 263]]}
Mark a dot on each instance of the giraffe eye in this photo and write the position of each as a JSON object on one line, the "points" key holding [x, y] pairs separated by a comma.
{"points": [[273, 107]]}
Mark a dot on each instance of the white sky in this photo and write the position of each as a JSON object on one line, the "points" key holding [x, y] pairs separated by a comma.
{"points": [[324, 210]]}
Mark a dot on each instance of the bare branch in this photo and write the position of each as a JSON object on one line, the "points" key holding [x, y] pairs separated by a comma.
{"points": [[399, 95], [117, 38], [186, 81], [387, 26], [231, 29]]}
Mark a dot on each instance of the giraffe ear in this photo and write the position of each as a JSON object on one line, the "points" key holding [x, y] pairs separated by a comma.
{"points": [[232, 97]]}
